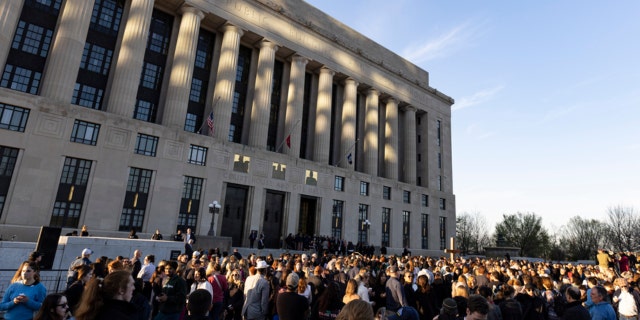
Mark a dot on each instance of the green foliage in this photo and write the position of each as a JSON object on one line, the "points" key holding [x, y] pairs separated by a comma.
{"points": [[524, 230]]}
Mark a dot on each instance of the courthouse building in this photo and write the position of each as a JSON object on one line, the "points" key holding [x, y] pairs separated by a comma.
{"points": [[225, 116]]}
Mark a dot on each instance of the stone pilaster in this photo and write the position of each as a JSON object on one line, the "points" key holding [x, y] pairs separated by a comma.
{"points": [[130, 58], [66, 50], [391, 140], [323, 116], [181, 74], [295, 99], [409, 145], [262, 98], [348, 137], [9, 16], [226, 81], [371, 132]]}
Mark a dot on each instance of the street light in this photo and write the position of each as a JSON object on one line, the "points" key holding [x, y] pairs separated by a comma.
{"points": [[214, 208], [366, 225]]}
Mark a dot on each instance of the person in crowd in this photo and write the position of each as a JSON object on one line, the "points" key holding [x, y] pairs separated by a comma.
{"points": [[574, 309], [54, 307], [256, 292], [448, 311], [189, 237], [84, 259], [156, 235], [235, 298], [626, 300], [146, 271], [220, 288], [36, 257], [174, 294], [24, 295], [84, 232], [289, 304], [199, 305], [133, 234], [178, 236], [351, 292], [477, 308], [356, 310], [394, 291], [74, 292], [108, 299], [136, 263], [201, 282], [601, 309], [425, 299]]}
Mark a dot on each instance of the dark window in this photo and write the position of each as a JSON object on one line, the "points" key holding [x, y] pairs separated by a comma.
{"points": [[336, 219], [276, 96], [443, 233], [191, 122], [406, 196], [146, 145], [200, 83], [96, 59], [425, 200], [8, 158], [439, 131], [443, 204], [190, 203], [151, 76], [425, 230], [21, 79], [87, 96], [197, 155], [338, 184], [85, 132], [13, 118], [363, 223], [386, 193], [240, 94], [386, 227], [135, 199], [439, 160], [71, 192], [106, 17], [364, 188], [145, 111], [406, 229]]}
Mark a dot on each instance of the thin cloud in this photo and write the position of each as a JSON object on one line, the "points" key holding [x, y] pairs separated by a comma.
{"points": [[477, 98], [443, 45]]}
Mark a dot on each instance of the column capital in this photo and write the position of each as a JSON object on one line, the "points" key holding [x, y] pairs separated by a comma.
{"points": [[409, 108], [299, 59], [351, 80], [326, 70], [185, 8], [391, 100], [264, 43], [373, 91], [231, 27]]}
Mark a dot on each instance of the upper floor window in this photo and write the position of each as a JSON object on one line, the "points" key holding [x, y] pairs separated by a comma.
{"points": [[13, 118], [443, 204], [386, 193], [197, 155], [406, 196], [338, 184], [364, 188], [146, 145], [85, 132], [425, 200]]}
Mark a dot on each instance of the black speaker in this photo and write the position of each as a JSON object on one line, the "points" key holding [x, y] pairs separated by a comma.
{"points": [[48, 245]]}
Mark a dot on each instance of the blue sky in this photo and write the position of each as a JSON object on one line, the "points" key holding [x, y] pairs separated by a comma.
{"points": [[547, 112]]}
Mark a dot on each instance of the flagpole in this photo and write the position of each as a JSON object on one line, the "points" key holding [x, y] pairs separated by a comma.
{"points": [[346, 152], [288, 135], [204, 119]]}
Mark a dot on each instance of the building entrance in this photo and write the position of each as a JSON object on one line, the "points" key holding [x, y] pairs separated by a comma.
{"points": [[273, 216], [233, 214], [307, 217]]}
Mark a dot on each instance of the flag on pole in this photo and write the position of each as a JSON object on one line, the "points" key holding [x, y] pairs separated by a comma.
{"points": [[210, 123], [350, 158], [288, 140]]}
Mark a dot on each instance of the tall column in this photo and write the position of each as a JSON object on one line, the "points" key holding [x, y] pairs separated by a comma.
{"points": [[262, 97], [9, 15], [226, 81], [323, 116], [66, 52], [371, 133], [295, 99], [410, 145], [391, 140], [130, 59], [182, 70], [348, 140]]}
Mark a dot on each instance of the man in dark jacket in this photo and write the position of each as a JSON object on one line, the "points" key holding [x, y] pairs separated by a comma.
{"points": [[574, 309], [199, 305], [174, 294]]}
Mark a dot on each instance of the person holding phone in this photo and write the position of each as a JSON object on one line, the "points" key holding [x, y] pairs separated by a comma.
{"points": [[25, 294]]}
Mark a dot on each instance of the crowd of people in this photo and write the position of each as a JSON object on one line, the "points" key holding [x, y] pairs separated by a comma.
{"points": [[323, 286]]}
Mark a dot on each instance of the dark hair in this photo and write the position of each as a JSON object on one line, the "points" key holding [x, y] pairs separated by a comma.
{"points": [[477, 303], [573, 292], [83, 270], [97, 290], [199, 302], [48, 308]]}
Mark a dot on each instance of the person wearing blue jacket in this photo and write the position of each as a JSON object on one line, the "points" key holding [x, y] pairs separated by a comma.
{"points": [[601, 309], [25, 294]]}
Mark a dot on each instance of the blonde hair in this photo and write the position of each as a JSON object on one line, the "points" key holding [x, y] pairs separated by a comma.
{"points": [[356, 310]]}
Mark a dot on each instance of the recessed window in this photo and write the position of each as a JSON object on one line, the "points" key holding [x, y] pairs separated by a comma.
{"points": [[443, 204], [425, 200], [406, 196], [386, 193], [197, 155], [338, 184], [364, 188], [85, 132], [146, 145], [13, 118]]}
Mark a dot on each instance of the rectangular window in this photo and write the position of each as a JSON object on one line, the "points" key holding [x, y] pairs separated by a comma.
{"points": [[145, 111], [364, 188], [190, 203], [311, 178], [439, 132], [386, 227], [96, 59], [146, 145], [13, 118], [440, 183], [279, 170], [190, 122], [21, 79], [106, 16], [338, 184], [71, 192], [135, 199], [32, 38], [425, 231], [443, 233], [336, 219], [439, 160], [406, 229], [8, 158], [363, 224], [406, 196], [87, 96], [241, 163], [425, 200], [443, 204], [85, 132], [197, 155], [386, 193]]}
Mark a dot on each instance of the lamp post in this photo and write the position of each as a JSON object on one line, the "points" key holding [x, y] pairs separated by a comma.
{"points": [[366, 225], [214, 208]]}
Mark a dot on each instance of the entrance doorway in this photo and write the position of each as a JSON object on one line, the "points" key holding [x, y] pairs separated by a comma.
{"points": [[307, 217], [233, 214], [273, 213]]}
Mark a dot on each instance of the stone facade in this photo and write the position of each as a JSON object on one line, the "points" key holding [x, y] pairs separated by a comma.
{"points": [[342, 111]]}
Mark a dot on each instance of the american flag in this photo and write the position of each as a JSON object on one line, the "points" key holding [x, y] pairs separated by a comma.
{"points": [[210, 123]]}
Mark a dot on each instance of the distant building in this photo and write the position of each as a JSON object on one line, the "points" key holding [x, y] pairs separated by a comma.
{"points": [[137, 114]]}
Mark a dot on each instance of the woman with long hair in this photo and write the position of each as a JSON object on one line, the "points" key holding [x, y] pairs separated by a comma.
{"points": [[25, 294], [108, 299], [425, 299], [200, 281], [235, 300], [351, 293], [54, 307], [74, 292]]}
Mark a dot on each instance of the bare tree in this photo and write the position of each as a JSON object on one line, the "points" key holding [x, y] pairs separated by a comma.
{"points": [[622, 225], [523, 230], [471, 232], [581, 238]]}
